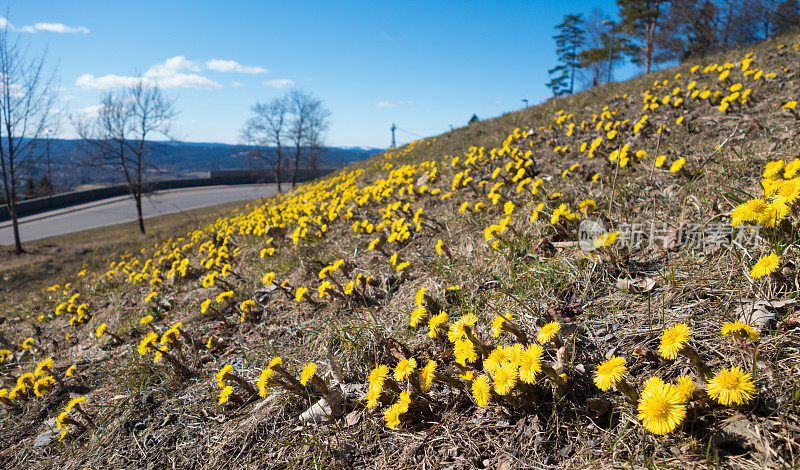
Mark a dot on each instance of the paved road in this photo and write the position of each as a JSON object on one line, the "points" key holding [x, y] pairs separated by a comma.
{"points": [[121, 209]]}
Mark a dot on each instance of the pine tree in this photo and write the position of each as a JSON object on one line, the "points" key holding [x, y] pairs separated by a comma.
{"points": [[640, 21], [702, 33], [787, 17], [569, 39], [30, 189], [45, 186]]}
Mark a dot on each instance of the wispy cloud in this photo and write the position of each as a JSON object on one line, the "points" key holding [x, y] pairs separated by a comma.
{"points": [[179, 80], [177, 72], [218, 65], [172, 66], [393, 104], [237, 84], [59, 28], [169, 74], [279, 83]]}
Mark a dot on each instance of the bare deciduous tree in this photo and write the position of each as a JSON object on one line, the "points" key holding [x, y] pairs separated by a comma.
{"points": [[118, 135], [315, 142], [739, 22], [309, 121], [267, 133], [27, 97]]}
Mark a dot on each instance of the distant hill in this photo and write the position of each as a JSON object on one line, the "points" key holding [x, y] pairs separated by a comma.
{"points": [[173, 160]]}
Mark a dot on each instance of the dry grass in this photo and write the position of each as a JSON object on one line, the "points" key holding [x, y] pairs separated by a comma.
{"points": [[46, 261], [148, 414]]}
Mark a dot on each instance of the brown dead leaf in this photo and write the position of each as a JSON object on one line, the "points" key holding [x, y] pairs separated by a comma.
{"points": [[562, 313], [791, 322], [397, 350], [597, 406], [352, 418]]}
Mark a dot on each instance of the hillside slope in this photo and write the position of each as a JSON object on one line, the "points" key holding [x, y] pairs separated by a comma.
{"points": [[604, 280]]}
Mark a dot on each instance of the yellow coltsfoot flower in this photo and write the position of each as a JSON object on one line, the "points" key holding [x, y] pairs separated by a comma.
{"points": [[426, 375], [308, 372], [732, 386], [673, 341], [740, 330], [661, 407], [686, 387], [530, 363], [765, 266], [505, 378], [548, 332], [609, 373], [481, 390]]}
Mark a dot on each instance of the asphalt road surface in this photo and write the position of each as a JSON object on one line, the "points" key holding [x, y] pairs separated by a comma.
{"points": [[121, 209]]}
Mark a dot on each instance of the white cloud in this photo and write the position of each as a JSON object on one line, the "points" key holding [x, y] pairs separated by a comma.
{"points": [[59, 28], [279, 83], [175, 73], [178, 80], [168, 74], [187, 80], [88, 80], [171, 66], [218, 65], [393, 104]]}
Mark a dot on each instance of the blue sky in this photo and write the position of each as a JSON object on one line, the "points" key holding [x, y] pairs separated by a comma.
{"points": [[421, 64]]}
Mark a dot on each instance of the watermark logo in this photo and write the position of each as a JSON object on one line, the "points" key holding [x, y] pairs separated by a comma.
{"points": [[666, 235], [588, 232]]}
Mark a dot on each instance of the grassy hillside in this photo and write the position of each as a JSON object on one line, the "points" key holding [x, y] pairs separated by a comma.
{"points": [[432, 306]]}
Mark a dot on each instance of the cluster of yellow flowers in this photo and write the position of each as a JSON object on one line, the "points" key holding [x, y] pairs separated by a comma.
{"points": [[662, 406], [503, 371], [501, 187], [271, 376], [774, 211], [65, 420], [725, 86], [40, 382]]}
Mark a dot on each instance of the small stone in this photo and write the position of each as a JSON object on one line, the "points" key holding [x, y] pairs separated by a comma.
{"points": [[46, 437]]}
